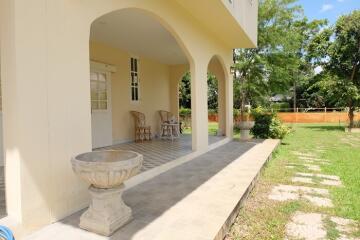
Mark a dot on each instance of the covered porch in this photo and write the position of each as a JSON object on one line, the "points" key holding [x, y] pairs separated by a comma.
{"points": [[159, 152], [70, 87], [195, 200], [129, 74]]}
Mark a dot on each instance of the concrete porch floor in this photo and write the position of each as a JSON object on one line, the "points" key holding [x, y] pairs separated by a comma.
{"points": [[195, 200], [158, 152]]}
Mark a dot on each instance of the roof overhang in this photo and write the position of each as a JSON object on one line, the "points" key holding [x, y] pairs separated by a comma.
{"points": [[234, 22]]}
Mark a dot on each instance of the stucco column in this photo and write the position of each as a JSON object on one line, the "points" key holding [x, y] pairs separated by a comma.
{"points": [[199, 109], [26, 135], [46, 109], [229, 102], [221, 106]]}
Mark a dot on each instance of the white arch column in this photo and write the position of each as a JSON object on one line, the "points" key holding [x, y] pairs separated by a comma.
{"points": [[229, 100], [199, 109], [45, 74]]}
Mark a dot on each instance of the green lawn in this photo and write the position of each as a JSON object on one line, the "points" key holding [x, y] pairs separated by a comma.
{"points": [[261, 218], [213, 128]]}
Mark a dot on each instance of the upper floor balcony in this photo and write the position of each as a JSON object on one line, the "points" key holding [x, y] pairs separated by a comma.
{"points": [[234, 21]]}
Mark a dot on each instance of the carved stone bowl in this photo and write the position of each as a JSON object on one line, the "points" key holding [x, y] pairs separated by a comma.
{"points": [[107, 169]]}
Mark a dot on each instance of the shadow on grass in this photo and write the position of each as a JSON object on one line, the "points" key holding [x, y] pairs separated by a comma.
{"points": [[326, 128]]}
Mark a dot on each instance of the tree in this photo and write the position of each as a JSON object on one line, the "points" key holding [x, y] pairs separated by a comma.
{"points": [[337, 50], [279, 60], [213, 92], [185, 91]]}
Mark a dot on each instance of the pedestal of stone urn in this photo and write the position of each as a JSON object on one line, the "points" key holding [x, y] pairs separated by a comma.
{"points": [[106, 171], [245, 127]]}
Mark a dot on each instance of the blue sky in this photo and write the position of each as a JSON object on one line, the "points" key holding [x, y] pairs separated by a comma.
{"points": [[330, 9]]}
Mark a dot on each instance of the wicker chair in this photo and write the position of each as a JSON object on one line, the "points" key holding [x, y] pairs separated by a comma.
{"points": [[142, 132], [167, 117]]}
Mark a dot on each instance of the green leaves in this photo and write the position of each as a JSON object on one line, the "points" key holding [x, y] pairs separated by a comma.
{"points": [[337, 50], [279, 60]]}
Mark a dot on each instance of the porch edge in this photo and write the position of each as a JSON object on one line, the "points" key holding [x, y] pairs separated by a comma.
{"points": [[147, 175], [231, 219]]}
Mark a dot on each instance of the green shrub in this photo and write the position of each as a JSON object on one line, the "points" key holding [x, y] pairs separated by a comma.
{"points": [[268, 125], [185, 112], [236, 113], [212, 111], [280, 106]]}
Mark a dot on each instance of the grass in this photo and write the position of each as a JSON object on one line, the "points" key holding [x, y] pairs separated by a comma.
{"points": [[212, 126], [261, 218]]}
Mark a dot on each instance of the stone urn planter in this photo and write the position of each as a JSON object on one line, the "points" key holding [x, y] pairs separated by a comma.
{"points": [[245, 127], [106, 172]]}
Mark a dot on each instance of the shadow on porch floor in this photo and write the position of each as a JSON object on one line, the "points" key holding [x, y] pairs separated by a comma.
{"points": [[191, 201], [158, 152]]}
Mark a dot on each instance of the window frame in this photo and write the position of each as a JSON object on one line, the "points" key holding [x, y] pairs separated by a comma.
{"points": [[108, 89], [134, 70]]}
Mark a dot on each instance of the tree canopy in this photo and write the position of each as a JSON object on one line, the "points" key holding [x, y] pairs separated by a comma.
{"points": [[336, 50], [279, 60]]}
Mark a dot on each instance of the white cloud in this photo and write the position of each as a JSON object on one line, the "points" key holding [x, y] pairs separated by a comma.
{"points": [[326, 7], [318, 69]]}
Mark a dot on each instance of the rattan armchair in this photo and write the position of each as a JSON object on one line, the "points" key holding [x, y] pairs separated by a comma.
{"points": [[142, 131]]}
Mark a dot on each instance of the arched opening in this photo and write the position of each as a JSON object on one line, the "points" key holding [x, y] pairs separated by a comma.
{"points": [[216, 104], [133, 63], [185, 104], [216, 100]]}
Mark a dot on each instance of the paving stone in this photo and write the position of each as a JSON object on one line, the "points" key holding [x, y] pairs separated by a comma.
{"points": [[302, 180], [311, 158], [311, 226], [345, 226], [329, 180], [331, 183], [304, 154], [330, 177], [307, 226], [312, 167], [289, 192], [317, 162], [319, 201]]}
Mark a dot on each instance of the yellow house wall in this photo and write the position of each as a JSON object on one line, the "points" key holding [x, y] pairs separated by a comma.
{"points": [[46, 91], [154, 90]]}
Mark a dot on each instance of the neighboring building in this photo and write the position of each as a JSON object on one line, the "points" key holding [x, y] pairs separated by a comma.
{"points": [[134, 53]]}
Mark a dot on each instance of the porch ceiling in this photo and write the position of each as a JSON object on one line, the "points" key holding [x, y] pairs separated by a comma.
{"points": [[139, 34]]}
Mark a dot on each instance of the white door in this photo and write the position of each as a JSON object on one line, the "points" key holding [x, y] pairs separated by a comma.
{"points": [[101, 117]]}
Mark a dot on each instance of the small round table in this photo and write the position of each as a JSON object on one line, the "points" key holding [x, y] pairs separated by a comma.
{"points": [[170, 131]]}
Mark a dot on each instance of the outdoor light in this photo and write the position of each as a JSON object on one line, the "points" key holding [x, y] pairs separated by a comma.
{"points": [[232, 69]]}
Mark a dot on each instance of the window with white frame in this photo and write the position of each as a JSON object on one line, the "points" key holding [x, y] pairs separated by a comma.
{"points": [[99, 98], [134, 75]]}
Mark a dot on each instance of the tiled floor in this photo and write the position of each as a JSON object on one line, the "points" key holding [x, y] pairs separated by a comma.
{"points": [[159, 152], [156, 153], [191, 201]]}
